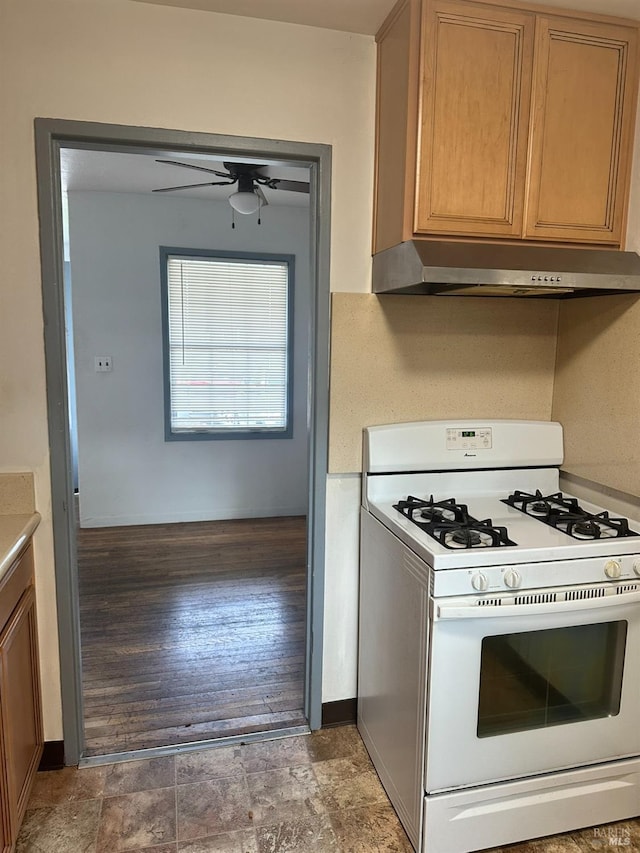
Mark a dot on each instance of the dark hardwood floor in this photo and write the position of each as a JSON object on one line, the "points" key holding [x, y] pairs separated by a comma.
{"points": [[191, 631]]}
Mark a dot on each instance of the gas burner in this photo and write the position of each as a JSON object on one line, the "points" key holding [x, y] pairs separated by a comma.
{"points": [[539, 505], [430, 510], [471, 533], [450, 524], [567, 515], [587, 529], [437, 513], [466, 537], [585, 525], [576, 524]]}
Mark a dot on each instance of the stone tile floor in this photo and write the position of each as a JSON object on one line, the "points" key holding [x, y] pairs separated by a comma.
{"points": [[311, 794]]}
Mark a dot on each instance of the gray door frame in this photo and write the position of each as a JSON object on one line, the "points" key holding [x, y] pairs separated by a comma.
{"points": [[51, 135]]}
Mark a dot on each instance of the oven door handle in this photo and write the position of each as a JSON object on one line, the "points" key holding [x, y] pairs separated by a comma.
{"points": [[470, 611]]}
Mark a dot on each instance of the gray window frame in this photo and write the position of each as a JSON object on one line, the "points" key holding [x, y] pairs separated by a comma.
{"points": [[222, 434]]}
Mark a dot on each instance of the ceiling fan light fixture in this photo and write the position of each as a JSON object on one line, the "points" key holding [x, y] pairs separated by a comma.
{"points": [[244, 202]]}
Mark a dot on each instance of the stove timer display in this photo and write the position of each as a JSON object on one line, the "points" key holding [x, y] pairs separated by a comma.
{"points": [[469, 439]]}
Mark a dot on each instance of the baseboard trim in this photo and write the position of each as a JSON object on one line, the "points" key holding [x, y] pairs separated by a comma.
{"points": [[92, 522], [339, 713], [52, 755]]}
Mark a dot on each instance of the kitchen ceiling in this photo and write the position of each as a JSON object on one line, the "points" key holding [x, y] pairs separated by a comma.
{"points": [[110, 171], [360, 16]]}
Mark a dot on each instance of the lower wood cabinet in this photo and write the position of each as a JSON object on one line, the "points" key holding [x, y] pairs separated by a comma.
{"points": [[21, 739]]}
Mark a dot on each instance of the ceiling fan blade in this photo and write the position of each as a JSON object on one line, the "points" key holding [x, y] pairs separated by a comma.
{"points": [[190, 186], [191, 166], [258, 191], [291, 186]]}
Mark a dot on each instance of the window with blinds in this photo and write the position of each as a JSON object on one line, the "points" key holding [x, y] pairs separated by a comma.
{"points": [[227, 331]]}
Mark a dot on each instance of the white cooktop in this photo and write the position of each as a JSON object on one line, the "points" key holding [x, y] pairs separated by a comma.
{"points": [[535, 541], [419, 452]]}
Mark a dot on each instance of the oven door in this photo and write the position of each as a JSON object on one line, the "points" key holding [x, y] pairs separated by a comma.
{"points": [[521, 689]]}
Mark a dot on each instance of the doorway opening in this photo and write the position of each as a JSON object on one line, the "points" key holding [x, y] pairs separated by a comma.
{"points": [[233, 547]]}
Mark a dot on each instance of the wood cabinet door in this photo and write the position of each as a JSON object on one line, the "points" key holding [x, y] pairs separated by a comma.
{"points": [[475, 98], [20, 705], [582, 131]]}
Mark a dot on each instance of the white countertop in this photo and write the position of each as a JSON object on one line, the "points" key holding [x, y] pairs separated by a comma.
{"points": [[15, 530]]}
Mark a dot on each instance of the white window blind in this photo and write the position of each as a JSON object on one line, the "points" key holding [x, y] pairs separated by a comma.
{"points": [[228, 330]]}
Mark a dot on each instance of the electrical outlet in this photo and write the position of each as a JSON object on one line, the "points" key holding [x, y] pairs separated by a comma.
{"points": [[102, 363]]}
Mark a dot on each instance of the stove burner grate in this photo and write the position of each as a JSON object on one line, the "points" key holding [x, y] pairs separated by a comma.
{"points": [[450, 524], [567, 515]]}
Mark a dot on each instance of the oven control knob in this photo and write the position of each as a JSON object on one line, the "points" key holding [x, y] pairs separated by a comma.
{"points": [[479, 582], [512, 579], [636, 567], [612, 569]]}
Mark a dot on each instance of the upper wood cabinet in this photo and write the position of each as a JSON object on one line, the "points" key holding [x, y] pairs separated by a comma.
{"points": [[474, 119], [584, 98], [497, 122]]}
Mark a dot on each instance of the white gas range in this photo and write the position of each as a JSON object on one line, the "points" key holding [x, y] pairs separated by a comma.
{"points": [[499, 662]]}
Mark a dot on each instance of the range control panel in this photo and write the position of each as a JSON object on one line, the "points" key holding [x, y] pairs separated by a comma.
{"points": [[469, 439], [589, 576]]}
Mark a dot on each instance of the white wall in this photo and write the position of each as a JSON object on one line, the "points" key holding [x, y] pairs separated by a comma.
{"points": [[139, 64], [128, 473], [340, 665]]}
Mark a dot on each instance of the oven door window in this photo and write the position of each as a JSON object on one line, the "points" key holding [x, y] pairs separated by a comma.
{"points": [[536, 679]]}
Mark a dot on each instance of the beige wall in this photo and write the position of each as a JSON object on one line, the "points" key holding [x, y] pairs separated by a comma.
{"points": [[597, 390], [405, 358], [133, 63]]}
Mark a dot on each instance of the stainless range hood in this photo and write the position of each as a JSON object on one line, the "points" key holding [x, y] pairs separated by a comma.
{"points": [[480, 269]]}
